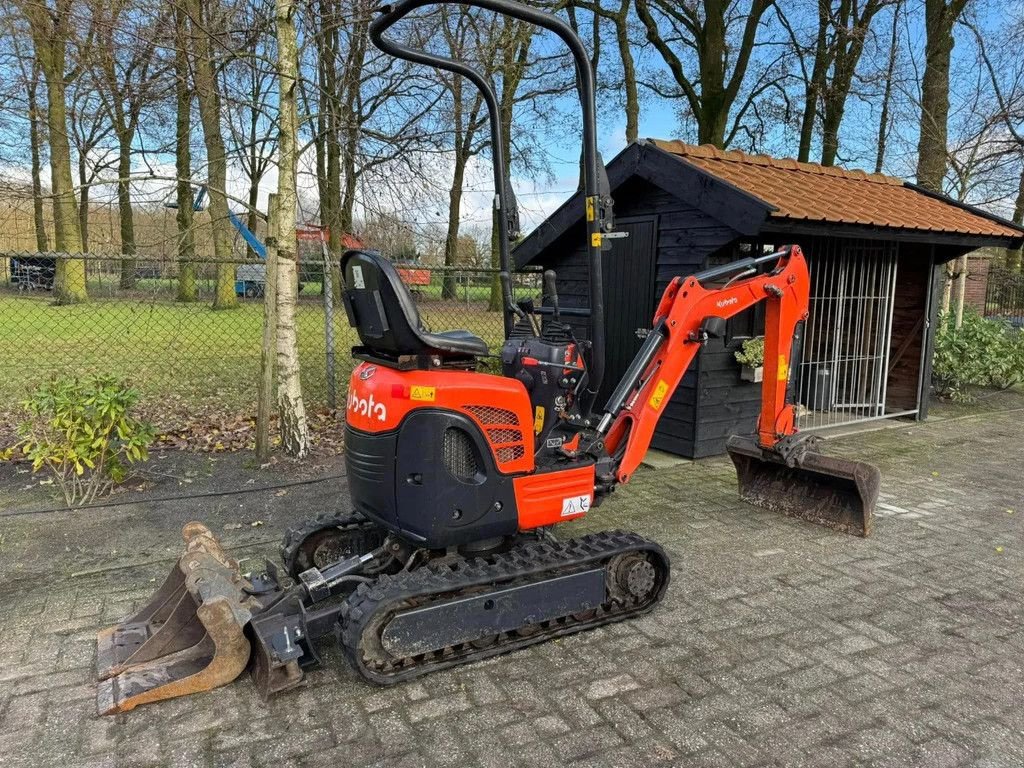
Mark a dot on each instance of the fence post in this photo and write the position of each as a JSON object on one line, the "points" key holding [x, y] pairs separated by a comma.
{"points": [[268, 350], [332, 396]]}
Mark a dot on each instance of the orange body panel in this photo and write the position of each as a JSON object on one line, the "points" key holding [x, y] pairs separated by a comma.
{"points": [[554, 497], [380, 397]]}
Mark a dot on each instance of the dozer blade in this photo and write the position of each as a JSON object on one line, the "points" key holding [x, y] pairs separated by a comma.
{"points": [[188, 638], [827, 490]]}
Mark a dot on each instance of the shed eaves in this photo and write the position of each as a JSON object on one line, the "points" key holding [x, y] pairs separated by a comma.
{"points": [[812, 192]]}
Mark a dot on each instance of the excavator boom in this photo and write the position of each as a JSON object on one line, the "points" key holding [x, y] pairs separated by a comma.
{"points": [[776, 468]]}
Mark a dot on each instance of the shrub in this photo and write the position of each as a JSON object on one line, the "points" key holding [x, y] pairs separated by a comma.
{"points": [[84, 433], [981, 353], [752, 353]]}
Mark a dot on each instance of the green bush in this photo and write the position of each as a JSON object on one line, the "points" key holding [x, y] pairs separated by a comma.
{"points": [[981, 353], [752, 353], [84, 433]]}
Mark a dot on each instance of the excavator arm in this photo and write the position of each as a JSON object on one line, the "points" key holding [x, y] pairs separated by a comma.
{"points": [[687, 316], [776, 468]]}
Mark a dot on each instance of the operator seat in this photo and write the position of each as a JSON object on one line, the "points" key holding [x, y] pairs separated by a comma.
{"points": [[384, 314]]}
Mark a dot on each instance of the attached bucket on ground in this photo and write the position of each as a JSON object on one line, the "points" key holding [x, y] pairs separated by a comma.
{"points": [[188, 638], [827, 490]]}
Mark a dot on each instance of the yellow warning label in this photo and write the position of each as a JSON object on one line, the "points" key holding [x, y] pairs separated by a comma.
{"points": [[538, 420], [783, 368], [595, 239], [427, 394], [590, 209], [660, 390]]}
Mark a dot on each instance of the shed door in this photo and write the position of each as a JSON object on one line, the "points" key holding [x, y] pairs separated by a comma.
{"points": [[629, 274]]}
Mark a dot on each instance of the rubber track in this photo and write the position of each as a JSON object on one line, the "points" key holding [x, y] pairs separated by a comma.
{"points": [[295, 535], [523, 563]]}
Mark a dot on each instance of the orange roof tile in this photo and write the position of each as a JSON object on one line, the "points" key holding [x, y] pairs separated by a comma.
{"points": [[812, 192]]}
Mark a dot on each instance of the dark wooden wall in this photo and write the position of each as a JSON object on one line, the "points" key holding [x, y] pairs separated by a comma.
{"points": [[909, 321], [685, 239]]}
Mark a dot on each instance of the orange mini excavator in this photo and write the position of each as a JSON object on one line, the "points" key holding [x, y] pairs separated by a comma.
{"points": [[457, 476]]}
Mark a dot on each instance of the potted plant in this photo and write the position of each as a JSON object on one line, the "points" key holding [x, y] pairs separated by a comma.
{"points": [[751, 357]]}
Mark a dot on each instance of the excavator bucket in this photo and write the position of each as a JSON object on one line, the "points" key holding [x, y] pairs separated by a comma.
{"points": [[188, 638], [827, 490]]}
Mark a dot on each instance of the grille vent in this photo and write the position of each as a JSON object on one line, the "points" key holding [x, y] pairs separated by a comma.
{"points": [[459, 455], [485, 414], [503, 431]]}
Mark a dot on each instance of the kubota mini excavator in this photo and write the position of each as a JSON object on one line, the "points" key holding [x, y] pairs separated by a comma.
{"points": [[458, 476]]}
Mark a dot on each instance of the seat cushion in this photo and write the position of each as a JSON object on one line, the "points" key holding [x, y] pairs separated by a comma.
{"points": [[456, 342]]}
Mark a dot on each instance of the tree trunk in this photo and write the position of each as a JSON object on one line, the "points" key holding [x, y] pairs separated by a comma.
{"points": [[516, 56], [83, 200], [628, 73], [204, 75], [187, 287], [932, 150], [294, 429], [890, 70], [814, 87], [50, 32], [124, 208], [1013, 255], [42, 241], [451, 240]]}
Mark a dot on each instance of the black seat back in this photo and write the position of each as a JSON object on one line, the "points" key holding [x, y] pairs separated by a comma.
{"points": [[379, 306]]}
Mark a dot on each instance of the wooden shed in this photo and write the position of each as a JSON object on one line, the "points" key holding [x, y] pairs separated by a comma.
{"points": [[876, 247]]}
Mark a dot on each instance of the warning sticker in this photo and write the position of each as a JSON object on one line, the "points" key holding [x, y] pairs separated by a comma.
{"points": [[783, 368], [538, 420], [660, 390], [357, 277], [426, 394], [575, 505]]}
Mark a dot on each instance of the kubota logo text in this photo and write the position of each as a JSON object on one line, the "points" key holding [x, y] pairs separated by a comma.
{"points": [[727, 302], [367, 406]]}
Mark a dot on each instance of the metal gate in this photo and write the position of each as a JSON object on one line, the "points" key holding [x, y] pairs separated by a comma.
{"points": [[843, 371]]}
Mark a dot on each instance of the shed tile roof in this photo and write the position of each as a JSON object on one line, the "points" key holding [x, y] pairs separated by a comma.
{"points": [[812, 192]]}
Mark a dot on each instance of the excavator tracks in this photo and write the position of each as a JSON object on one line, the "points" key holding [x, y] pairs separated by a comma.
{"points": [[327, 538], [405, 625]]}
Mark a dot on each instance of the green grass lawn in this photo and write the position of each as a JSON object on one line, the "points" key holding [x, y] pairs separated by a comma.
{"points": [[185, 355]]}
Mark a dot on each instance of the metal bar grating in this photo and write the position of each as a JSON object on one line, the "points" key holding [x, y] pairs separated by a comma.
{"points": [[844, 367]]}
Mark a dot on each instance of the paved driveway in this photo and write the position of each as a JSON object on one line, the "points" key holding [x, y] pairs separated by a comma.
{"points": [[779, 643]]}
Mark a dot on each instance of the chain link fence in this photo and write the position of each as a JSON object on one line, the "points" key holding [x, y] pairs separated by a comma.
{"points": [[195, 366]]}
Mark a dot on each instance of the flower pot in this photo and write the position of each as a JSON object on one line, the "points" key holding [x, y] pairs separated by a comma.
{"points": [[755, 375]]}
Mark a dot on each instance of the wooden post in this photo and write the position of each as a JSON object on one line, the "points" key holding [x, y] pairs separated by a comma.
{"points": [[268, 350]]}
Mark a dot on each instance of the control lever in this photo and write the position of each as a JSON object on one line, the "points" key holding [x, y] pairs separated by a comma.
{"points": [[506, 290], [551, 293]]}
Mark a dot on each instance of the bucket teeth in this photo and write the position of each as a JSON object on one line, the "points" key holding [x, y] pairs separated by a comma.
{"points": [[188, 638], [827, 490]]}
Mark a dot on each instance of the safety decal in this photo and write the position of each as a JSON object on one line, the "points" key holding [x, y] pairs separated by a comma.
{"points": [[357, 277], [783, 368], [425, 394], [595, 240], [575, 505], [538, 420], [660, 390]]}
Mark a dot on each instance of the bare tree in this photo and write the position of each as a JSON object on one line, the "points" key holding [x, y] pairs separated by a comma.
{"points": [[184, 200], [292, 411], [940, 17], [717, 34], [204, 20], [128, 75], [51, 27]]}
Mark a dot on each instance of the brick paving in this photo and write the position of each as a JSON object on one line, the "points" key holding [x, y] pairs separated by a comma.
{"points": [[779, 643]]}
